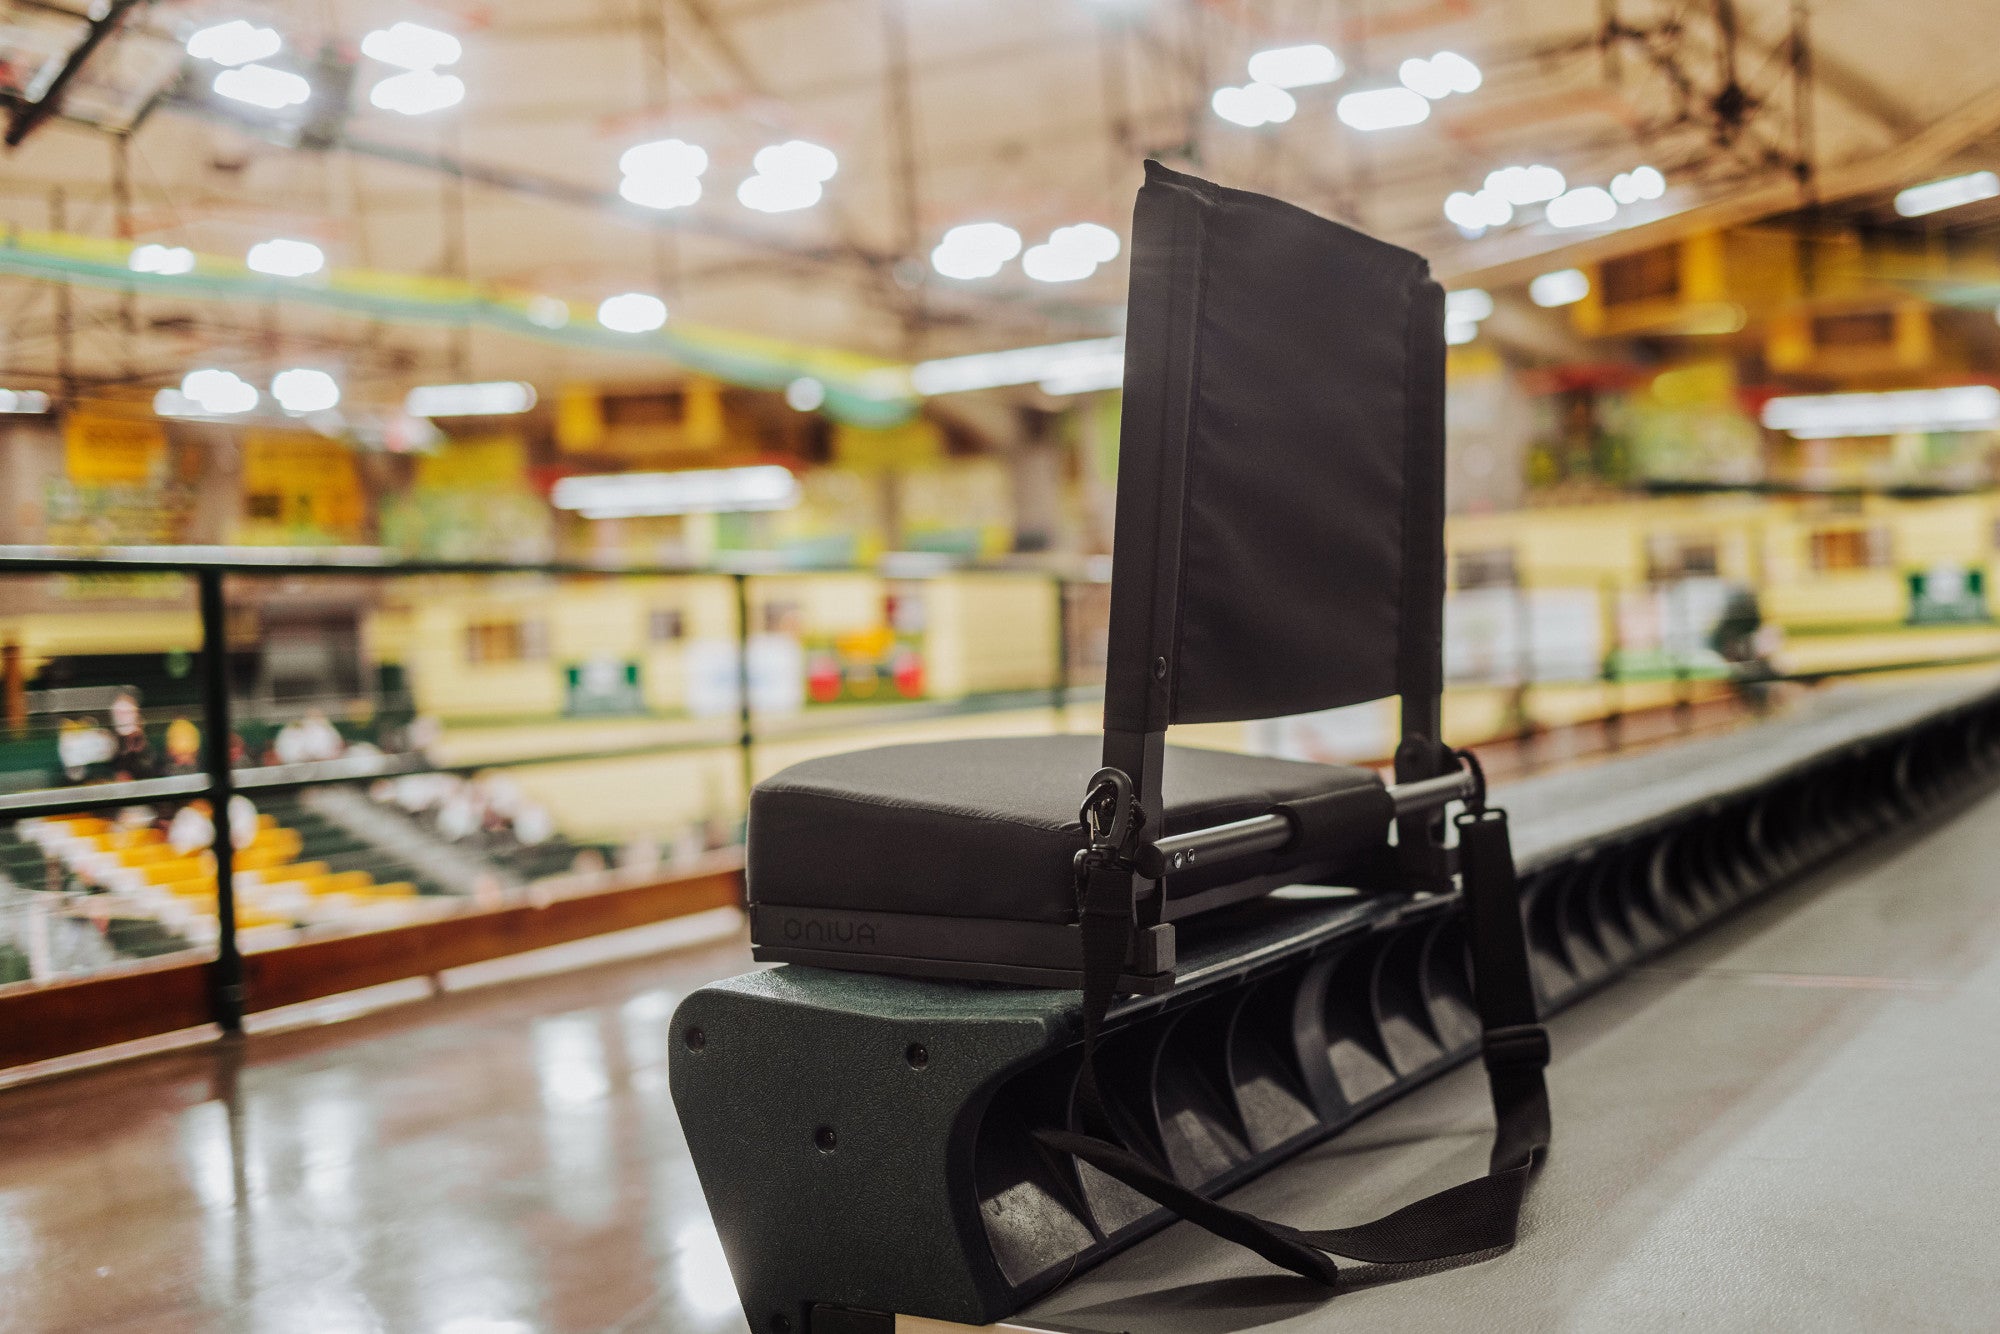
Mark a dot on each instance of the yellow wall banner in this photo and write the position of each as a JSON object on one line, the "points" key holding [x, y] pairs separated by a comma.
{"points": [[301, 481], [110, 449], [476, 463]]}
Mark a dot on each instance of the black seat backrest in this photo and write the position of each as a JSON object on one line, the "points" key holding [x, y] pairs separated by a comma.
{"points": [[1280, 531]]}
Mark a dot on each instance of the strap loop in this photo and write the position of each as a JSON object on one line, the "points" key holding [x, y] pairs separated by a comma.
{"points": [[1479, 1215], [1516, 1048]]}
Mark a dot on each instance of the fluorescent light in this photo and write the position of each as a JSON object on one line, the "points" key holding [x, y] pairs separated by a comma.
{"points": [[1087, 374], [1971, 407], [661, 192], [412, 46], [23, 401], [1383, 109], [1564, 287], [1021, 365], [975, 250], [1049, 264], [165, 259], [1071, 253], [1476, 212], [805, 393], [663, 174], [1296, 66], [1459, 74], [285, 258], [1443, 74], [632, 312], [1629, 187], [1093, 240], [789, 177], [664, 157], [1585, 206], [302, 389], [1936, 196], [1459, 329], [219, 392], [237, 42], [491, 398], [796, 159], [778, 194], [701, 491], [1526, 185], [1253, 105], [263, 86], [416, 92], [1468, 303]]}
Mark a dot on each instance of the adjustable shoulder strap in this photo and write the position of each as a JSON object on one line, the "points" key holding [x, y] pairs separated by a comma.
{"points": [[1478, 1215]]}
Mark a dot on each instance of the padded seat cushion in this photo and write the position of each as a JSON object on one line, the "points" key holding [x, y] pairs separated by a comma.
{"points": [[989, 828]]}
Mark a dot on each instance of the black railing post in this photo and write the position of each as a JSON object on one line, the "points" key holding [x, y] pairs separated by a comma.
{"points": [[226, 979], [1059, 689], [746, 723]]}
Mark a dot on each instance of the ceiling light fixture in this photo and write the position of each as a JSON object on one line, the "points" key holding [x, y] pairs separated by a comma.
{"points": [[632, 312], [975, 250], [162, 259], [789, 176], [1443, 74], [1474, 213], [1951, 192], [1253, 105], [1629, 187], [1971, 407], [1564, 287], [491, 398], [1585, 206], [417, 92], [301, 390], [263, 86], [697, 491], [1048, 363], [1383, 109], [412, 46], [1468, 303], [662, 174], [805, 394], [1521, 186], [1296, 66], [285, 258], [1071, 253], [237, 42], [218, 392]]}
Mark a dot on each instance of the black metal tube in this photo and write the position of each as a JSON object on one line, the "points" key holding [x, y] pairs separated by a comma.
{"points": [[1218, 843], [1431, 793], [1268, 833], [226, 977]]}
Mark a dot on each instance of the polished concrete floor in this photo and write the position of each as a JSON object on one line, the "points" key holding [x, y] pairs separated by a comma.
{"points": [[1788, 1124]]}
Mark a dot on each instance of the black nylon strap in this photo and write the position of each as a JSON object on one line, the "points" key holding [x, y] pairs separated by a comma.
{"points": [[1479, 1215]]}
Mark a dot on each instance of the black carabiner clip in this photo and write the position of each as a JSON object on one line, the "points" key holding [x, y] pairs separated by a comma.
{"points": [[1107, 832]]}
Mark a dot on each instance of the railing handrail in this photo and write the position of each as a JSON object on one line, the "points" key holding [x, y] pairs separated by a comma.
{"points": [[384, 562]]}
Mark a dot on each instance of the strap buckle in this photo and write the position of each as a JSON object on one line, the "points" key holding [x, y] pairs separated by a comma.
{"points": [[1108, 812], [1516, 1047]]}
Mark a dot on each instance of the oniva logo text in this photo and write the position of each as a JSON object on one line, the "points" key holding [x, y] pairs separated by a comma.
{"points": [[828, 931]]}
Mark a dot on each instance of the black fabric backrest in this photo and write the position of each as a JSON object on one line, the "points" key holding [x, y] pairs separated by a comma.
{"points": [[1280, 535]]}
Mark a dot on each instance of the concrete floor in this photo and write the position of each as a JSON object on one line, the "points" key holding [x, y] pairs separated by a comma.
{"points": [[1789, 1124]]}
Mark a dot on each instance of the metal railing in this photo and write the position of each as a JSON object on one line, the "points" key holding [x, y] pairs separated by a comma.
{"points": [[1520, 667]]}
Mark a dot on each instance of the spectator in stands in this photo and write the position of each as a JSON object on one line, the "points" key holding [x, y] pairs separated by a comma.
{"points": [[132, 756]]}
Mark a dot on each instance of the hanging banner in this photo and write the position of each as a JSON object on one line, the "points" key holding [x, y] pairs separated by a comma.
{"points": [[110, 449]]}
